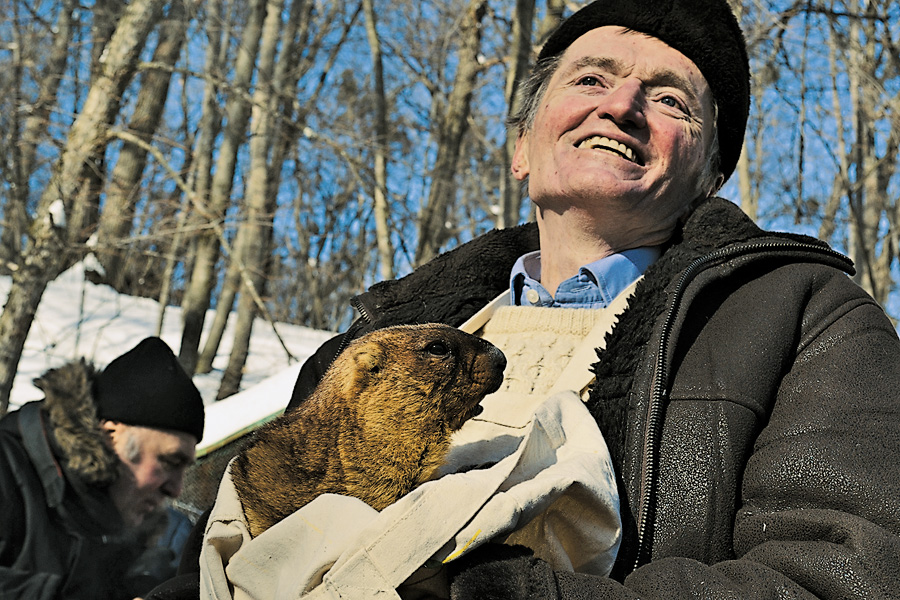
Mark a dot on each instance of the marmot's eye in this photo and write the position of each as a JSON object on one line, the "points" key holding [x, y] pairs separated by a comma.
{"points": [[437, 349]]}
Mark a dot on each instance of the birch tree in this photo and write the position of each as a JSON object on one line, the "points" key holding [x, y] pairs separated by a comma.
{"points": [[126, 180], [207, 246], [380, 150], [48, 248], [451, 127]]}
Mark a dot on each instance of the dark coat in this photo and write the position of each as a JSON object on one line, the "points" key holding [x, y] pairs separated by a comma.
{"points": [[61, 537], [749, 396]]}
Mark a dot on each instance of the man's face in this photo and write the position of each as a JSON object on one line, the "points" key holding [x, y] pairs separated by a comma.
{"points": [[153, 462], [621, 135]]}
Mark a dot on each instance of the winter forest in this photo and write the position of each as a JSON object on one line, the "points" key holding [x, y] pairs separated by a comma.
{"points": [[273, 158]]}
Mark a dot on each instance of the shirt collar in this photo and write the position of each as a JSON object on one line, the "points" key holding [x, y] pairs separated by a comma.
{"points": [[595, 286]]}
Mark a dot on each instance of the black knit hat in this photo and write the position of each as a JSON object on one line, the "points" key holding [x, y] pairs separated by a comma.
{"points": [[705, 31], [147, 386]]}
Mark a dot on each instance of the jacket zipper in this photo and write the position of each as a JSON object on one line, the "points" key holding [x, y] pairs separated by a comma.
{"points": [[660, 384], [350, 334]]}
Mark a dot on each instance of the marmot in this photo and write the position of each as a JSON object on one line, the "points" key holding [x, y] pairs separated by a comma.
{"points": [[378, 424]]}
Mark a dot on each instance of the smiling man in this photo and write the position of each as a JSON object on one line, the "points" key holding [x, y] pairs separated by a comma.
{"points": [[83, 471], [748, 393], [618, 147]]}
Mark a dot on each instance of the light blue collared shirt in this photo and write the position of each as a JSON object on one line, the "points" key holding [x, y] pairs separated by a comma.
{"points": [[595, 286]]}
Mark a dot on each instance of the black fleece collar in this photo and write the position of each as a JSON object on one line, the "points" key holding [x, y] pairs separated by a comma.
{"points": [[715, 225], [453, 286], [456, 284]]}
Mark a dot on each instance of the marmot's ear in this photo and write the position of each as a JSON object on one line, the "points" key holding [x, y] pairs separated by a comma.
{"points": [[367, 359]]}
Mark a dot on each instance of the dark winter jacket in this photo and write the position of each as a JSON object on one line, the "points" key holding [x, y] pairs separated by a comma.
{"points": [[61, 537], [750, 396]]}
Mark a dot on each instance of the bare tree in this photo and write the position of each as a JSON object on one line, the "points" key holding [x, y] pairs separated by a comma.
{"points": [[126, 183], [252, 243], [450, 130], [208, 128], [822, 145], [382, 230], [47, 251], [872, 248], [197, 296], [519, 61], [23, 146], [284, 134]]}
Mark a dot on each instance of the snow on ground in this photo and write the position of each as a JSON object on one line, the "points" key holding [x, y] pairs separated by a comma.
{"points": [[77, 318]]}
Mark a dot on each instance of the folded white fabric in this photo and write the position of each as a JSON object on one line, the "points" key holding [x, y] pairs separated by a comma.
{"points": [[552, 489]]}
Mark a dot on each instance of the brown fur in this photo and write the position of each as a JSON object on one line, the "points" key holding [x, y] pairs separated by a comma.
{"points": [[377, 425], [73, 417]]}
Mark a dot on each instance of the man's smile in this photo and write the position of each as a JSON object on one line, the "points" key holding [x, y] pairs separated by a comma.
{"points": [[599, 142]]}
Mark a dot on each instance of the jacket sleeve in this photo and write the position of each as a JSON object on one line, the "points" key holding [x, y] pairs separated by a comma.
{"points": [[821, 492], [15, 582], [820, 507], [28, 586]]}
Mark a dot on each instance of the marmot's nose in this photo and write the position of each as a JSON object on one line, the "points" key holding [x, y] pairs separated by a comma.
{"points": [[498, 359]]}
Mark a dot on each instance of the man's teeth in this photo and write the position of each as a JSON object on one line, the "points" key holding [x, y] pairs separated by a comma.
{"points": [[598, 142]]}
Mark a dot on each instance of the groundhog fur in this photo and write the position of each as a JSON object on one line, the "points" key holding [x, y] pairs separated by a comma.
{"points": [[377, 425]]}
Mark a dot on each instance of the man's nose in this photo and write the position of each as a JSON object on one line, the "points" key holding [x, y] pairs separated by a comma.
{"points": [[174, 485], [625, 104]]}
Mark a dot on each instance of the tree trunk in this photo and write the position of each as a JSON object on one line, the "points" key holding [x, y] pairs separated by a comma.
{"points": [[203, 277], [284, 136], [33, 130], [126, 179], [46, 253], [520, 59], [224, 306], [202, 155], [382, 230], [104, 14], [551, 20], [432, 220], [252, 244]]}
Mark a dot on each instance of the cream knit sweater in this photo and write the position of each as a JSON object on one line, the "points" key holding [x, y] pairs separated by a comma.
{"points": [[538, 343]]}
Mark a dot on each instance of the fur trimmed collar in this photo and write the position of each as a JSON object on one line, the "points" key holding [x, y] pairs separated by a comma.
{"points": [[79, 441], [714, 225], [456, 284]]}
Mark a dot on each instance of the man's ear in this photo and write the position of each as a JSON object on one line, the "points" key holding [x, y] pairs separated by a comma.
{"points": [[520, 167], [111, 426], [112, 429], [717, 185]]}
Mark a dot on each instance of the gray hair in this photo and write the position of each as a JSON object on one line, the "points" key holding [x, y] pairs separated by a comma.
{"points": [[530, 93], [132, 448]]}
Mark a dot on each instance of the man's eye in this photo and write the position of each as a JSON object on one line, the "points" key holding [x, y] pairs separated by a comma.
{"points": [[671, 101], [589, 80]]}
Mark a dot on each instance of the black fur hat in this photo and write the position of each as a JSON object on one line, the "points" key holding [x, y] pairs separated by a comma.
{"points": [[147, 386], [705, 31]]}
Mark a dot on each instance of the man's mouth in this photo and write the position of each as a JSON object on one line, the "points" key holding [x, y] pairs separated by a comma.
{"points": [[599, 142]]}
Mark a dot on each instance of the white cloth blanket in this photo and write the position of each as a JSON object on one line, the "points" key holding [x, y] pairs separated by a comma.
{"points": [[554, 491]]}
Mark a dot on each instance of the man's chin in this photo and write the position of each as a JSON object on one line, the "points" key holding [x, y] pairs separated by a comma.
{"points": [[137, 516], [134, 519]]}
